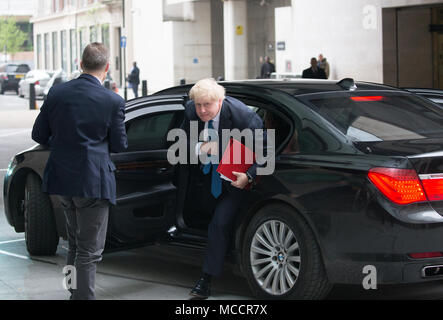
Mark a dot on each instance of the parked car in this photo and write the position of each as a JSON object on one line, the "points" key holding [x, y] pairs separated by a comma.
{"points": [[358, 182], [110, 84], [10, 76], [57, 78], [434, 95], [39, 77], [61, 77]]}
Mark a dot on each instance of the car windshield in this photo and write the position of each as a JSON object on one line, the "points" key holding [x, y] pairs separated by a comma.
{"points": [[11, 68], [380, 117]]}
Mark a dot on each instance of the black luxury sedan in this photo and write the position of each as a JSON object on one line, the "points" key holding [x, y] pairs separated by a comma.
{"points": [[10, 76], [358, 183]]}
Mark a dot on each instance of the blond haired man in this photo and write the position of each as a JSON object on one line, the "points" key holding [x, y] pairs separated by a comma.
{"points": [[213, 110]]}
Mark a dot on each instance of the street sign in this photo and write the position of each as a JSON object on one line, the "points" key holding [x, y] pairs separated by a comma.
{"points": [[281, 46], [123, 41], [239, 30]]}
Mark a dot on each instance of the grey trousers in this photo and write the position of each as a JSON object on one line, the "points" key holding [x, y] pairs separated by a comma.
{"points": [[86, 224]]}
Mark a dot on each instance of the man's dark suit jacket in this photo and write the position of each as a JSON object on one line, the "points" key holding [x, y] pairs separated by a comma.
{"points": [[134, 77], [309, 74], [234, 115], [82, 122]]}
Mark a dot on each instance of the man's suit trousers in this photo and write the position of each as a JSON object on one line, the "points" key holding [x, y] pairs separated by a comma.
{"points": [[86, 222], [221, 227]]}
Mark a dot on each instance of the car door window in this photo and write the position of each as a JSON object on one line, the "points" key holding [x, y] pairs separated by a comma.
{"points": [[150, 132]]}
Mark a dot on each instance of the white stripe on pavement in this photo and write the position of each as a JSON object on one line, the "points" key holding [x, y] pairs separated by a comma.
{"points": [[3, 170], [14, 255], [11, 241]]}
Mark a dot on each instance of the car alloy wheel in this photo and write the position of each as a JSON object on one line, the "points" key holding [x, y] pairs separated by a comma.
{"points": [[281, 258], [275, 257]]}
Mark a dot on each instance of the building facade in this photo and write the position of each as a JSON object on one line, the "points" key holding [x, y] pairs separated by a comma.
{"points": [[396, 42], [21, 11], [63, 28]]}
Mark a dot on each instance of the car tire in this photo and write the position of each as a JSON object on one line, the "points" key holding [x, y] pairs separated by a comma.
{"points": [[281, 258], [40, 227], [2, 91]]}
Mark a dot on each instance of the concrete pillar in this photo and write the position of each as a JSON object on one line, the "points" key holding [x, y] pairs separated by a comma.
{"points": [[236, 40]]}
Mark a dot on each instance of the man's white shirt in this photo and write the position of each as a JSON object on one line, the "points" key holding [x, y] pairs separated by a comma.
{"points": [[216, 124]]}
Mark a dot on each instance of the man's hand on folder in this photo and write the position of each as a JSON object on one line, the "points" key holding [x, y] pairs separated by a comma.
{"points": [[242, 180], [210, 148]]}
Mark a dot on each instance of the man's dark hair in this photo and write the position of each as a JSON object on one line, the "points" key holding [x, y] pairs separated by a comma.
{"points": [[95, 57]]}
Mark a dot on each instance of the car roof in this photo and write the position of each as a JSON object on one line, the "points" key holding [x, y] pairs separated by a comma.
{"points": [[293, 86]]}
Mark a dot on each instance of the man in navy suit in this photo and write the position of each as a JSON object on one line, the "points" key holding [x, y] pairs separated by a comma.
{"points": [[314, 72], [134, 79], [82, 122], [213, 110]]}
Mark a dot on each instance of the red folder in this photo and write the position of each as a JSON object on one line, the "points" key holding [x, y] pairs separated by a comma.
{"points": [[232, 161]]}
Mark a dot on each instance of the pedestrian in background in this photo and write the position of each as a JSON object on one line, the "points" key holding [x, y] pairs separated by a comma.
{"points": [[82, 122], [134, 79], [267, 68], [314, 72], [324, 64]]}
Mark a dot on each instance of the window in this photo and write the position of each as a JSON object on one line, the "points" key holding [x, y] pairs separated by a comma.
{"points": [[64, 50], [39, 51], [83, 40], [11, 68], [55, 61], [23, 68], [105, 36], [93, 37], [380, 117], [73, 39], [150, 132], [47, 51]]}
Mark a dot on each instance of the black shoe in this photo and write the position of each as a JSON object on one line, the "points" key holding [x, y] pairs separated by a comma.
{"points": [[202, 289]]}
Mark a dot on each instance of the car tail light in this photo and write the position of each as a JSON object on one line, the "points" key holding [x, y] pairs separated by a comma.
{"points": [[4, 77], [401, 186], [433, 185], [425, 255], [371, 98], [37, 83]]}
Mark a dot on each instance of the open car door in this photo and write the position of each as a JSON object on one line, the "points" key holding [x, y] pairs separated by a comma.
{"points": [[146, 195]]}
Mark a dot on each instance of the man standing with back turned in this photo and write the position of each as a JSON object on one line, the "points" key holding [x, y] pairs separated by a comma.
{"points": [[82, 123]]}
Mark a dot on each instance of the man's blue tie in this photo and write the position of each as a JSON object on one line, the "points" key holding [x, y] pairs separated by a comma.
{"points": [[216, 182]]}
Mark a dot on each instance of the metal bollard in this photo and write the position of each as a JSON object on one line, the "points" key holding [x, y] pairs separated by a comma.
{"points": [[32, 101], [126, 93], [144, 88], [182, 82]]}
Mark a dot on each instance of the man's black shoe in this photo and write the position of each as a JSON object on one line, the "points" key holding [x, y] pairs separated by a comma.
{"points": [[202, 289]]}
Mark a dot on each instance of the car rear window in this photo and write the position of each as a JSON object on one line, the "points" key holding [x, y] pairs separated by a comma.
{"points": [[379, 117], [11, 68]]}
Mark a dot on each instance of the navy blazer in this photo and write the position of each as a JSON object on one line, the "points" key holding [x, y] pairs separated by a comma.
{"points": [[234, 115], [82, 122]]}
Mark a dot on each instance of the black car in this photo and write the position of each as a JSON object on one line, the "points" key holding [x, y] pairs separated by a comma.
{"points": [[357, 184], [10, 76]]}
